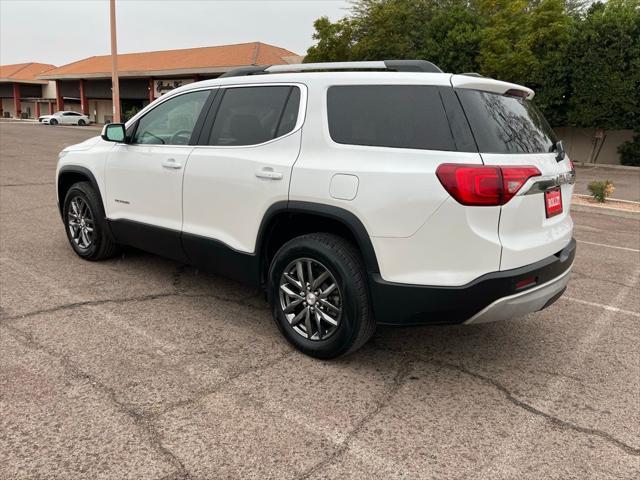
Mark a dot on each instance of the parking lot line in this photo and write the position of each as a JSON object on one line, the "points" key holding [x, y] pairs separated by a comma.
{"points": [[603, 306], [610, 246]]}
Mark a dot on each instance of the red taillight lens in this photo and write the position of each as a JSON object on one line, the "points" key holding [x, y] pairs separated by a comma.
{"points": [[483, 185]]}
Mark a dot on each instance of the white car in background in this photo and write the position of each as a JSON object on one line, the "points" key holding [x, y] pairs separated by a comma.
{"points": [[65, 118]]}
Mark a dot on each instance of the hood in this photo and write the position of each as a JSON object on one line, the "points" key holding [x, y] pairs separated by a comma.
{"points": [[86, 145]]}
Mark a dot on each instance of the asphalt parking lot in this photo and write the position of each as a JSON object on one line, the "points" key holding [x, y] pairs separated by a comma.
{"points": [[142, 368]]}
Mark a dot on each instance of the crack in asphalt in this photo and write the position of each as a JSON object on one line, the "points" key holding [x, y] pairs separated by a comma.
{"points": [[199, 396], [139, 298], [25, 184], [143, 420], [139, 420], [558, 422], [399, 380]]}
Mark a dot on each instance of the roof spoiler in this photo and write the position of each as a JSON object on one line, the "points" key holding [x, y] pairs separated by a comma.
{"points": [[422, 66], [485, 84]]}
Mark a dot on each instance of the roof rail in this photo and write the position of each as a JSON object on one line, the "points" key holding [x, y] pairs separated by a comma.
{"points": [[244, 71], [471, 74], [391, 65]]}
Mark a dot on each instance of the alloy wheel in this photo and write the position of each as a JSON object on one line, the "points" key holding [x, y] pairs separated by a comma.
{"points": [[311, 299], [80, 222]]}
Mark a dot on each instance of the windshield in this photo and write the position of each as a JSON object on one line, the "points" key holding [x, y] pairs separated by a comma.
{"points": [[505, 124]]}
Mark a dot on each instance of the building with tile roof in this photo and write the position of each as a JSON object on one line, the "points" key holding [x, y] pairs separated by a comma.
{"points": [[85, 85], [22, 92]]}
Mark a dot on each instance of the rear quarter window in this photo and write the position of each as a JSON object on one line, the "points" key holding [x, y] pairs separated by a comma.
{"points": [[506, 124], [400, 116]]}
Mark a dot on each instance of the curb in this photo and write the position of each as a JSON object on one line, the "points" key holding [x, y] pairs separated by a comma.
{"points": [[592, 166], [632, 202], [614, 212]]}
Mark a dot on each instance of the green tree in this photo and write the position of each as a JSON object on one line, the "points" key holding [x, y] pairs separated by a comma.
{"points": [[444, 32], [583, 63], [605, 67], [335, 41], [526, 43]]}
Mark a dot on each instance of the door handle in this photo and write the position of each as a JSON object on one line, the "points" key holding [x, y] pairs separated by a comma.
{"points": [[268, 173], [171, 163]]}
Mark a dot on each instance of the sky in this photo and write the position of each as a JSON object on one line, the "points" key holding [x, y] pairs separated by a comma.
{"points": [[63, 31]]}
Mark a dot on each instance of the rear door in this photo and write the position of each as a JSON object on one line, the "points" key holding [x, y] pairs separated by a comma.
{"points": [[509, 130], [241, 167]]}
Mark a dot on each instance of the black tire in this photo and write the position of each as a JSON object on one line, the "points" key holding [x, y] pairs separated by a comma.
{"points": [[81, 123], [102, 244], [53, 121], [344, 263]]}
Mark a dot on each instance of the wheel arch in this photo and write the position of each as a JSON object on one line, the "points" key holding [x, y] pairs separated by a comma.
{"points": [[70, 174], [296, 218]]}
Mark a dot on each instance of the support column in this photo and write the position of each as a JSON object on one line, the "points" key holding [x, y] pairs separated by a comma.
{"points": [[37, 109], [17, 110], [151, 94], [84, 105], [59, 99]]}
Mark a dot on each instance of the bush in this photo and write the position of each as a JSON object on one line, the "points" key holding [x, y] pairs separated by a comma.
{"points": [[630, 151], [601, 190]]}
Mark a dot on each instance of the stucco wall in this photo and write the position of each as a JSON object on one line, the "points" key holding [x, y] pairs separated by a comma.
{"points": [[581, 144], [49, 90]]}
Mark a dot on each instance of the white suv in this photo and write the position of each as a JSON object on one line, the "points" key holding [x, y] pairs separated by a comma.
{"points": [[395, 195]]}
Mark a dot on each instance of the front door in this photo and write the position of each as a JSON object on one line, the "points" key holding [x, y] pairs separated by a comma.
{"points": [[144, 177]]}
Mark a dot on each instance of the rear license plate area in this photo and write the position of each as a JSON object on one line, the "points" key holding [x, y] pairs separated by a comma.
{"points": [[553, 202]]}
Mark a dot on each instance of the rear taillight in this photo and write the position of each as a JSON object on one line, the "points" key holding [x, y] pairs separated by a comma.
{"points": [[483, 185]]}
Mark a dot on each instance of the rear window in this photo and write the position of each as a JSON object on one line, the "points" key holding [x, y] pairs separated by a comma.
{"points": [[503, 124], [402, 116]]}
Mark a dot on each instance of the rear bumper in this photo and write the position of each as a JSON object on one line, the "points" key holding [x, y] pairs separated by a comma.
{"points": [[493, 296]]}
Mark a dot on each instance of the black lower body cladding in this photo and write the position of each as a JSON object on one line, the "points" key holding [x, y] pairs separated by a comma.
{"points": [[404, 304]]}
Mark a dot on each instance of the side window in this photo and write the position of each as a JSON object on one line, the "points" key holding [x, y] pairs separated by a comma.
{"points": [[171, 122], [401, 116], [253, 115]]}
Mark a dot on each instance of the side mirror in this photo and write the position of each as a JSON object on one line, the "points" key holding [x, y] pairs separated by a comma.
{"points": [[560, 153], [114, 132]]}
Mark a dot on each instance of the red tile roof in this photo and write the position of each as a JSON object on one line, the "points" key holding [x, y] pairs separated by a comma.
{"points": [[173, 62], [23, 72]]}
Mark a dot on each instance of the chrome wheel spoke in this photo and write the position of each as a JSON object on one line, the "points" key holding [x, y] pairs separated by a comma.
{"points": [[327, 291], [299, 317], [292, 306], [307, 323], [292, 280], [310, 272], [318, 281], [319, 324], [85, 238], [326, 318], [290, 292], [327, 304], [74, 208], [300, 272]]}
